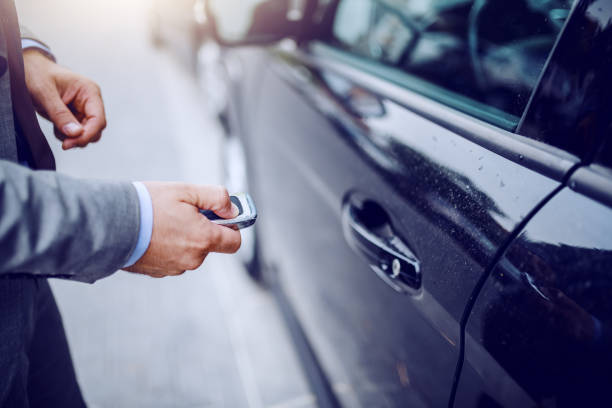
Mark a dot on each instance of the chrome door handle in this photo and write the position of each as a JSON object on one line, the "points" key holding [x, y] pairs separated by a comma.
{"points": [[368, 231]]}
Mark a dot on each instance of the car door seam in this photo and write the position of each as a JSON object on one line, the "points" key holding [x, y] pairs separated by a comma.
{"points": [[499, 254]]}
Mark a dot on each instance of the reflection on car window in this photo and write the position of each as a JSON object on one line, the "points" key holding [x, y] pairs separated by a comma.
{"points": [[487, 53]]}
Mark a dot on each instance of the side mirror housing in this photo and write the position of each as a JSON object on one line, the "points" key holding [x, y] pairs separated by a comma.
{"points": [[257, 22]]}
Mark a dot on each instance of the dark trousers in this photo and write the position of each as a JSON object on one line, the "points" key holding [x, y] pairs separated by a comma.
{"points": [[35, 365]]}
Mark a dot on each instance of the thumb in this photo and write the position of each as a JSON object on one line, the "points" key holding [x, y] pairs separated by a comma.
{"points": [[61, 117], [216, 199]]}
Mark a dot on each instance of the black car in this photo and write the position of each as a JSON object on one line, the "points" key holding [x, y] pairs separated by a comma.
{"points": [[434, 182]]}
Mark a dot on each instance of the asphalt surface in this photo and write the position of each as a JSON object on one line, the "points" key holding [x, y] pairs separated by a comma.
{"points": [[210, 338]]}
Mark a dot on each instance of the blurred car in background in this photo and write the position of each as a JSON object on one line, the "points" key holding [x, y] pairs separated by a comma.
{"points": [[181, 26], [434, 182]]}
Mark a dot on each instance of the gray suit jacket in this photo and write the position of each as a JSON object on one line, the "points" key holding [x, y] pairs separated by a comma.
{"points": [[52, 225]]}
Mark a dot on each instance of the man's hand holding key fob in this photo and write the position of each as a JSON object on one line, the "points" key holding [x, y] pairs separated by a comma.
{"points": [[182, 238], [247, 213]]}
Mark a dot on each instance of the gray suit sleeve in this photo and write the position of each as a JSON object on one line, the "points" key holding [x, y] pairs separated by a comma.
{"points": [[53, 225]]}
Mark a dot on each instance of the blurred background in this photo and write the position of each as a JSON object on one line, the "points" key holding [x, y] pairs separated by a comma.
{"points": [[211, 338]]}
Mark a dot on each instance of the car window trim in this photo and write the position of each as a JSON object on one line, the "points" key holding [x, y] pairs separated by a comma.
{"points": [[595, 182], [537, 156]]}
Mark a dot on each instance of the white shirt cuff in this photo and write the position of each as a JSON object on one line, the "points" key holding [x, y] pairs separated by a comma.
{"points": [[27, 43], [146, 224]]}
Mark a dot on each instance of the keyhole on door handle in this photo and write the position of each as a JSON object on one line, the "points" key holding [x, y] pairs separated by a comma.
{"points": [[369, 232]]}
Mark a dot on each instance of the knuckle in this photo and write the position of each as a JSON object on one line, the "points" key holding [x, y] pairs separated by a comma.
{"points": [[211, 240], [204, 241], [190, 191], [80, 83], [192, 264], [89, 87], [193, 261], [222, 193], [59, 113], [216, 235], [95, 87]]}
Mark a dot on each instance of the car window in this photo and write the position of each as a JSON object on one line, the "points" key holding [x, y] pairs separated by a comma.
{"points": [[483, 57]]}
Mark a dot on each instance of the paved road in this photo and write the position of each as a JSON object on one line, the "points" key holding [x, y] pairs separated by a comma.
{"points": [[210, 338]]}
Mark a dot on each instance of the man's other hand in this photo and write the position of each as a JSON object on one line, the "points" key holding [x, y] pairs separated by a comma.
{"points": [[182, 236], [72, 102]]}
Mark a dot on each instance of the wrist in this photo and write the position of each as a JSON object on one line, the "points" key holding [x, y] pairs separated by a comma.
{"points": [[29, 45], [34, 54], [37, 66], [145, 232]]}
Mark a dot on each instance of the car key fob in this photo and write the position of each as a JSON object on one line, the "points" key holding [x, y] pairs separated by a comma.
{"points": [[246, 217]]}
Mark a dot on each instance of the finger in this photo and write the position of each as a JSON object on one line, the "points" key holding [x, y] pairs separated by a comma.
{"points": [[81, 141], [58, 133], [95, 116], [61, 116], [223, 240], [213, 198], [89, 105], [160, 275]]}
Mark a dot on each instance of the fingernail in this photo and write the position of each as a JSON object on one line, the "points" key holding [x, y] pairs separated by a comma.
{"points": [[235, 211], [72, 128]]}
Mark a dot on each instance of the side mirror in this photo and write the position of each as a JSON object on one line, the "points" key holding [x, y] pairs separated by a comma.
{"points": [[256, 22]]}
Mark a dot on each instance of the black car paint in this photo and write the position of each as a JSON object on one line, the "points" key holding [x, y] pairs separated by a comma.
{"points": [[308, 141], [324, 135], [531, 320], [544, 315]]}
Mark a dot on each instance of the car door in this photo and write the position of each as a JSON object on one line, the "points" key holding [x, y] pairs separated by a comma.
{"points": [[388, 176], [539, 333]]}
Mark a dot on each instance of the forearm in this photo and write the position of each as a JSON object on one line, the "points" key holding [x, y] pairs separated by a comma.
{"points": [[54, 225]]}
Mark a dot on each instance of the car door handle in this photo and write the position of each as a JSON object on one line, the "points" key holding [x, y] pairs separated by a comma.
{"points": [[368, 231]]}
